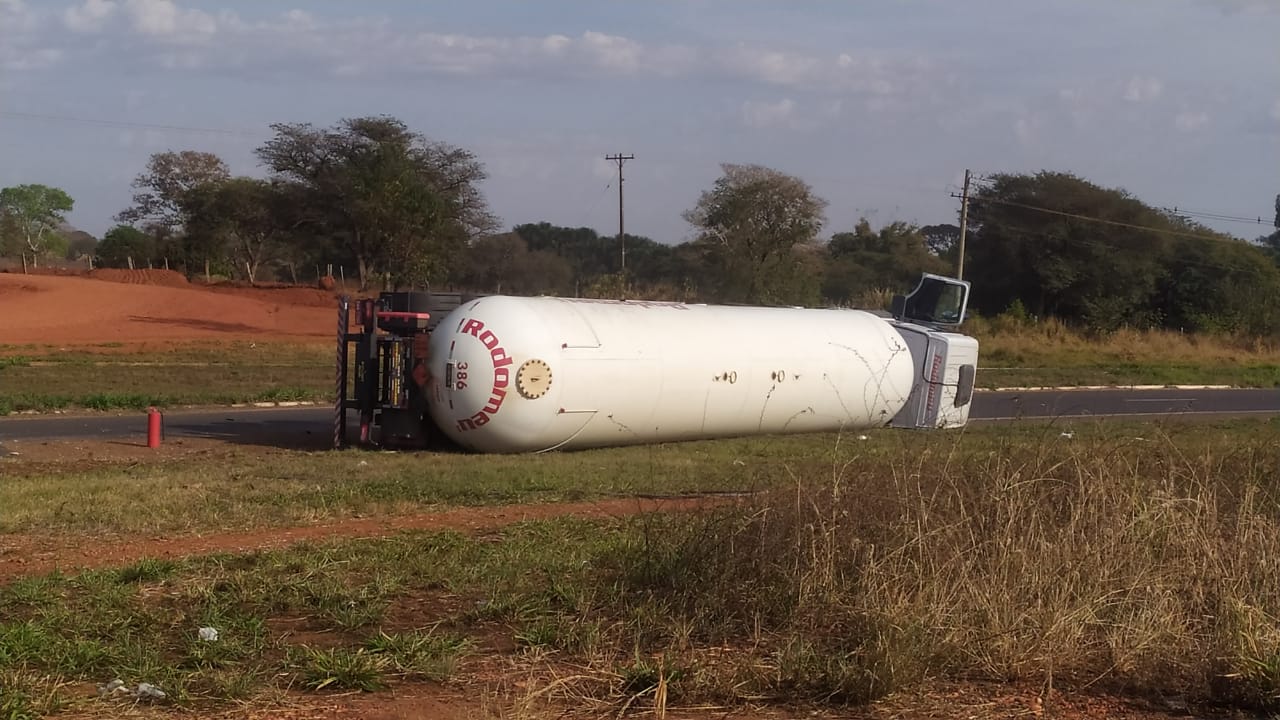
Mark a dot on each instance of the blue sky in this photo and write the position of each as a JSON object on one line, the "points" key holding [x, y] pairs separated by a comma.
{"points": [[880, 106]]}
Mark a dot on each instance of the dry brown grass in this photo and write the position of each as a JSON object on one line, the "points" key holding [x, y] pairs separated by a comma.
{"points": [[1048, 352], [1053, 340], [1128, 563]]}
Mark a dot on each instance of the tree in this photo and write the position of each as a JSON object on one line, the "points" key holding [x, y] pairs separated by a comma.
{"points": [[1271, 245], [754, 226], [36, 211], [942, 240], [1064, 246], [592, 256], [123, 243], [588, 253], [242, 220], [864, 260], [505, 264], [164, 185], [401, 205], [80, 244], [10, 234], [1219, 285]]}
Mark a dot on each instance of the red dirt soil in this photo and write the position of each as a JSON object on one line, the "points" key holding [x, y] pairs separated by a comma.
{"points": [[131, 306], [164, 278], [24, 555]]}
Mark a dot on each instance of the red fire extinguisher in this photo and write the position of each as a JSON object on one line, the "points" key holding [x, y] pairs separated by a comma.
{"points": [[154, 427]]}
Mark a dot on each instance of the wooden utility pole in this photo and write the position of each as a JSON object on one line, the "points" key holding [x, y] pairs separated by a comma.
{"points": [[964, 225], [622, 238]]}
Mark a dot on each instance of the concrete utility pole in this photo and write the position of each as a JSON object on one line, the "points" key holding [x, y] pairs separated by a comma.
{"points": [[622, 238], [964, 225]]}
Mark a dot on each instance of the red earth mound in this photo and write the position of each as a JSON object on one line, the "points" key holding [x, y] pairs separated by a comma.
{"points": [[164, 278], [157, 305]]}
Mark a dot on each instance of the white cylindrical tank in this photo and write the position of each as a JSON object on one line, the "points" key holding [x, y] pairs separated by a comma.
{"points": [[519, 374]]}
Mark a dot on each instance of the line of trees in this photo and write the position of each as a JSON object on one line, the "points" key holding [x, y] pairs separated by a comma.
{"points": [[404, 210]]}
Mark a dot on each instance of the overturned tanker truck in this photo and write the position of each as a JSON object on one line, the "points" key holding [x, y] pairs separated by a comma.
{"points": [[502, 374]]}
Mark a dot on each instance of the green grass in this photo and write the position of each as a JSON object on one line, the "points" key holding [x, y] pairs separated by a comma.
{"points": [[1108, 558], [1128, 555], [106, 378], [141, 625], [245, 487]]}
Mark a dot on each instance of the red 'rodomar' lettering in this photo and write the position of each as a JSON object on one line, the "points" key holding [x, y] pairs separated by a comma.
{"points": [[501, 374]]}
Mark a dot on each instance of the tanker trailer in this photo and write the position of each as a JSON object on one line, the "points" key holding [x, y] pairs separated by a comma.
{"points": [[531, 374]]}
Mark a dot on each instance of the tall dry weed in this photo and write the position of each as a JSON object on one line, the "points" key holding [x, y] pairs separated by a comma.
{"points": [[1112, 561], [1048, 341]]}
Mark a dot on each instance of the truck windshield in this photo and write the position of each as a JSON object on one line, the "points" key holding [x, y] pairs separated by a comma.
{"points": [[937, 300]]}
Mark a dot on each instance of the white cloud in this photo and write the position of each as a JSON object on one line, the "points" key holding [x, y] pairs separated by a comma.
{"points": [[171, 34], [1190, 120], [768, 115], [1143, 89], [89, 17], [604, 169], [20, 46], [164, 19], [842, 73], [1253, 6], [612, 51], [15, 17], [300, 20], [777, 68], [555, 44], [36, 59], [1026, 127]]}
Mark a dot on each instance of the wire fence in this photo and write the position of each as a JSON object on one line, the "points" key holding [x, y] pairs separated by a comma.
{"points": [[328, 276]]}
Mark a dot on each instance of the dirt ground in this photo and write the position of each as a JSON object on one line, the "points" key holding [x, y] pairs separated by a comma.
{"points": [[24, 555], [148, 306], [134, 306]]}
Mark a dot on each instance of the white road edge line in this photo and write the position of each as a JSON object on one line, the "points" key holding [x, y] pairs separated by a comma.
{"points": [[1180, 413], [1066, 388]]}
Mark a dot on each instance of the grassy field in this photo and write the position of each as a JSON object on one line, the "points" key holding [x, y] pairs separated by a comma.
{"points": [[1131, 556], [1048, 353], [109, 377], [1138, 557], [1013, 354]]}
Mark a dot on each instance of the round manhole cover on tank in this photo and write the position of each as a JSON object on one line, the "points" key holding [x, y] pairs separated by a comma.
{"points": [[533, 379]]}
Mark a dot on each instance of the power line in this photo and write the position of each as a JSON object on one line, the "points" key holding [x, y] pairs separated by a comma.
{"points": [[1215, 216], [591, 209], [1175, 210], [1116, 223], [127, 124], [1109, 243]]}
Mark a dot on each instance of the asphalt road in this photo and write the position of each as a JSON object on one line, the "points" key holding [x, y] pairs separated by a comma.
{"points": [[1166, 402], [312, 427]]}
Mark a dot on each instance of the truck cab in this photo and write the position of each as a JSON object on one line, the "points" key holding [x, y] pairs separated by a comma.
{"points": [[945, 360]]}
